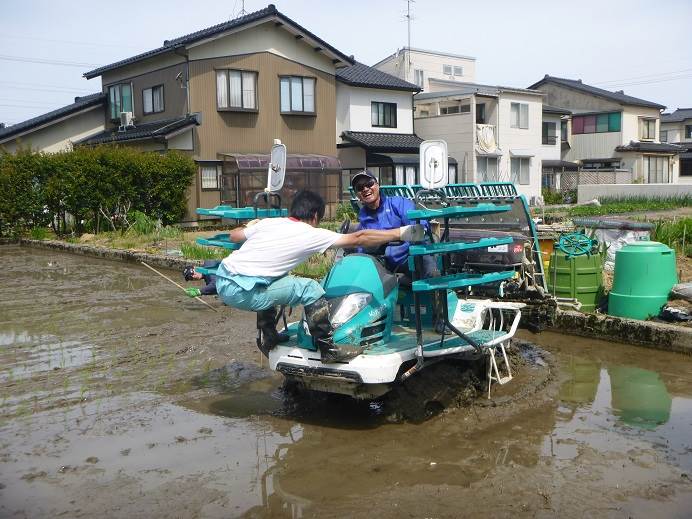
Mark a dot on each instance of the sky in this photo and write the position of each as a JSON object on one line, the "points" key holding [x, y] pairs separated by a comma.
{"points": [[641, 47]]}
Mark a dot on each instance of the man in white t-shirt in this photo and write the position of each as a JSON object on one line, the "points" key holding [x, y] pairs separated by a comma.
{"points": [[255, 277]]}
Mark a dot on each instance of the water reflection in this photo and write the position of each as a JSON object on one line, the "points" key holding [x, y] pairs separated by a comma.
{"points": [[637, 396]]}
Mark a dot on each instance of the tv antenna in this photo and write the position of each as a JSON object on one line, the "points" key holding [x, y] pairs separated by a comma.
{"points": [[409, 17]]}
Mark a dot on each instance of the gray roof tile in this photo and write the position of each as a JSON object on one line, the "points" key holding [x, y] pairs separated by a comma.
{"points": [[384, 142], [169, 45], [618, 97], [677, 116], [80, 103], [661, 147], [361, 75], [142, 131]]}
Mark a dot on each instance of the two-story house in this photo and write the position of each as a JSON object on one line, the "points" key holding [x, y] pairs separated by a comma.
{"points": [[223, 94], [432, 71], [554, 146], [676, 128], [612, 130], [374, 126], [494, 132], [58, 129]]}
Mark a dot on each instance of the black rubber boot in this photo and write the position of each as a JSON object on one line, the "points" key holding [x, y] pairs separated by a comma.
{"points": [[266, 322], [317, 317]]}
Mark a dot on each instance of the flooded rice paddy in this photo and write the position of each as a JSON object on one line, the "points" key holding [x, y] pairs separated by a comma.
{"points": [[121, 397]]}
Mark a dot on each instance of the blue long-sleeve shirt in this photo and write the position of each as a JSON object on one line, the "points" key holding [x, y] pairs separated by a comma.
{"points": [[209, 288], [390, 214]]}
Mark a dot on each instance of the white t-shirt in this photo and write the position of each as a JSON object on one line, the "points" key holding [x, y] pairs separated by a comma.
{"points": [[275, 246]]}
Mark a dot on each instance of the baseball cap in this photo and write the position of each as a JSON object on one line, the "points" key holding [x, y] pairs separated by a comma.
{"points": [[188, 271], [362, 174]]}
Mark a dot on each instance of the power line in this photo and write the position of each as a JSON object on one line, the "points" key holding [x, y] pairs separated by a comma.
{"points": [[651, 82], [57, 91], [652, 76], [71, 42], [43, 61]]}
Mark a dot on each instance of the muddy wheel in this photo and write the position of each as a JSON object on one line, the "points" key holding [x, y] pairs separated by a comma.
{"points": [[430, 392]]}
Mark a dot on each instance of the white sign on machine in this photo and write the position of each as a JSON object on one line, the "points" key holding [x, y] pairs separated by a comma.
{"points": [[433, 164], [277, 167]]}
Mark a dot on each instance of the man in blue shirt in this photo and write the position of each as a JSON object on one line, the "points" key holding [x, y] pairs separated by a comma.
{"points": [[388, 212]]}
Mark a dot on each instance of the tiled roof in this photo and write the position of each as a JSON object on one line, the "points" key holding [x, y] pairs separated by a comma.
{"points": [[618, 97], [661, 147], [361, 75], [556, 110], [143, 131], [384, 142], [677, 116], [169, 45], [461, 88], [80, 103]]}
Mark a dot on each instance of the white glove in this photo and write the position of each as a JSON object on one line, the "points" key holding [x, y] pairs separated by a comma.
{"points": [[412, 233]]}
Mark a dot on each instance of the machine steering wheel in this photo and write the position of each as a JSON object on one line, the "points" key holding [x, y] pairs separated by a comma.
{"points": [[576, 244]]}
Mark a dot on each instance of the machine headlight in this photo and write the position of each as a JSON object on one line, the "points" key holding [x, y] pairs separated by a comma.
{"points": [[349, 306]]}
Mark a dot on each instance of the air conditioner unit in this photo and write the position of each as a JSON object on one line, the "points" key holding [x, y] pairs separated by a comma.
{"points": [[126, 119]]}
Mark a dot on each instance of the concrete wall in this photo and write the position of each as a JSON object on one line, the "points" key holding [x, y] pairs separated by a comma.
{"points": [[574, 100], [590, 191], [631, 118], [458, 131], [518, 141], [550, 151], [432, 65], [353, 109], [59, 136]]}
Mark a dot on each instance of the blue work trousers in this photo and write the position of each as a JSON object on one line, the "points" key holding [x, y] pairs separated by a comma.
{"points": [[285, 291]]}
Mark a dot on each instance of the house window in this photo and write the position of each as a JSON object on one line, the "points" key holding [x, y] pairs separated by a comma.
{"points": [[688, 131], [486, 169], [236, 90], [210, 177], [152, 100], [519, 168], [549, 133], [664, 135], [596, 123], [447, 70], [656, 169], [480, 113], [297, 95], [458, 71], [563, 131], [648, 129], [383, 114], [119, 99], [418, 77], [519, 115]]}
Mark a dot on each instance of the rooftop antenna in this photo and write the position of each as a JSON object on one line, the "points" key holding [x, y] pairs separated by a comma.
{"points": [[243, 12], [409, 18]]}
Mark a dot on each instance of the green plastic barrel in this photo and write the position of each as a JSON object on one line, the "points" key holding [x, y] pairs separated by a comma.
{"points": [[579, 278], [644, 275]]}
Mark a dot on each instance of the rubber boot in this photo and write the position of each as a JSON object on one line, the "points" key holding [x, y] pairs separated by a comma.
{"points": [[266, 322], [317, 317]]}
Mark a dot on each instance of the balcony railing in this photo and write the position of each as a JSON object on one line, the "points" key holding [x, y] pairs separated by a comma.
{"points": [[550, 139]]}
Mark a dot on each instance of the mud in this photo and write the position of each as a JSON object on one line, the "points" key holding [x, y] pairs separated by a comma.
{"points": [[121, 397]]}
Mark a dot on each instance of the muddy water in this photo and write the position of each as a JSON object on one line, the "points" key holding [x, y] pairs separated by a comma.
{"points": [[120, 397]]}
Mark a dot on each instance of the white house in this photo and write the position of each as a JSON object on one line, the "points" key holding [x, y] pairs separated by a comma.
{"points": [[374, 126], [430, 70], [613, 131], [494, 132], [676, 128], [57, 130]]}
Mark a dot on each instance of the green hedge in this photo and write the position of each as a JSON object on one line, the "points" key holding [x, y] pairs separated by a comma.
{"points": [[96, 187]]}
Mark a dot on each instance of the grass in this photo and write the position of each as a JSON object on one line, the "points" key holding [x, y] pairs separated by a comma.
{"points": [[631, 205], [200, 252], [676, 234], [316, 266]]}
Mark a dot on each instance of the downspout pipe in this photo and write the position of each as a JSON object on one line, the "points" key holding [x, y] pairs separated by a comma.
{"points": [[184, 54]]}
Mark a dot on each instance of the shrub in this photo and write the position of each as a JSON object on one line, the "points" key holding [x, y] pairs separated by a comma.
{"points": [[194, 251], [99, 186], [345, 210]]}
